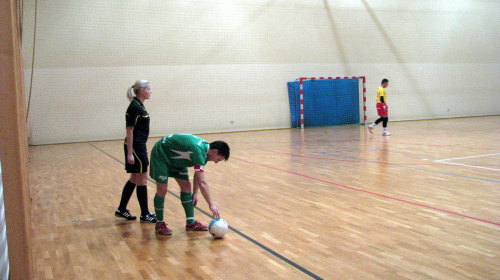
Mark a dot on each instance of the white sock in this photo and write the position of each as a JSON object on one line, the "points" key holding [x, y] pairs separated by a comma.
{"points": [[385, 130]]}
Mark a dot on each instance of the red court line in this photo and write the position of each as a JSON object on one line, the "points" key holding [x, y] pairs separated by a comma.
{"points": [[367, 161], [369, 192]]}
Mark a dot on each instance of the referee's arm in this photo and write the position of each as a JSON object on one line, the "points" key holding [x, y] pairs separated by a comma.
{"points": [[130, 141]]}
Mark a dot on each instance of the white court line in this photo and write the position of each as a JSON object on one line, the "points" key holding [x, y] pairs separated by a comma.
{"points": [[467, 165]]}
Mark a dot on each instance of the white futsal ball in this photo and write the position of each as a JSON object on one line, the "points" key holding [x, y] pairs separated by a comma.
{"points": [[218, 228]]}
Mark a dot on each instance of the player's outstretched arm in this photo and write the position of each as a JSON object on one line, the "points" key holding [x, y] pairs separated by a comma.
{"points": [[200, 182]]}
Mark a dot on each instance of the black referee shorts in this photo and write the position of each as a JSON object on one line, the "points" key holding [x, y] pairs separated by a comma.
{"points": [[140, 153]]}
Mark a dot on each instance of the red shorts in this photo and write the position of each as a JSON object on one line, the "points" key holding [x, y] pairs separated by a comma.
{"points": [[382, 109]]}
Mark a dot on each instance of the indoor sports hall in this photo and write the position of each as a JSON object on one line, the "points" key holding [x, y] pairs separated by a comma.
{"points": [[309, 192]]}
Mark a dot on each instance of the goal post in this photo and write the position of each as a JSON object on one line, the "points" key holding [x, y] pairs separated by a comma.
{"points": [[322, 101]]}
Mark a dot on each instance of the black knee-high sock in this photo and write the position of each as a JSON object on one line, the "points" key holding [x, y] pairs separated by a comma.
{"points": [[142, 196], [385, 121], [128, 189]]}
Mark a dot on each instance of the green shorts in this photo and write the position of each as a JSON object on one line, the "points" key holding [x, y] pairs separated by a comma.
{"points": [[160, 169]]}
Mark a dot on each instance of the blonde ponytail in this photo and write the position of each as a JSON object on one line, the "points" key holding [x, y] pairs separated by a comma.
{"points": [[129, 94], [139, 84]]}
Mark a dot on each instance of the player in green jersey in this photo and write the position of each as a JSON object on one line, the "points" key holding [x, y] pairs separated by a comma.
{"points": [[170, 157]]}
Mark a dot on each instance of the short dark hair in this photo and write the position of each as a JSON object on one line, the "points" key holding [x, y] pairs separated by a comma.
{"points": [[384, 81], [222, 147]]}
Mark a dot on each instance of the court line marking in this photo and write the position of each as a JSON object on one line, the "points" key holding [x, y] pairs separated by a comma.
{"points": [[347, 158], [446, 161], [373, 193], [267, 249], [386, 163], [487, 155]]}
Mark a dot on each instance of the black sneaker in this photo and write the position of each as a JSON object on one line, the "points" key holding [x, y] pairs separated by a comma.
{"points": [[149, 218], [125, 214]]}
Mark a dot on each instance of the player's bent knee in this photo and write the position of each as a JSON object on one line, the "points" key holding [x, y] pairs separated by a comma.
{"points": [[161, 189]]}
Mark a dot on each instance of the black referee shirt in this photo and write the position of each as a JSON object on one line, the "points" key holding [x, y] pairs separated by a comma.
{"points": [[138, 117]]}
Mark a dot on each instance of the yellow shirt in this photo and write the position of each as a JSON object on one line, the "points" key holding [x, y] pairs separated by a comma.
{"points": [[380, 93]]}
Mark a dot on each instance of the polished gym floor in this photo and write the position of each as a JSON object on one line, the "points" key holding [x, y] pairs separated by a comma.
{"points": [[324, 203]]}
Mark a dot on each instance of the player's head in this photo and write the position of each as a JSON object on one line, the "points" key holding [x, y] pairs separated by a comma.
{"points": [[140, 86], [385, 82], [222, 149]]}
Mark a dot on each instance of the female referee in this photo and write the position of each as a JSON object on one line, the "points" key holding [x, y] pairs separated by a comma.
{"points": [[136, 153]]}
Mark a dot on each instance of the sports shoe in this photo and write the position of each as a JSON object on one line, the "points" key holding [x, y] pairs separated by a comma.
{"points": [[386, 134], [196, 226], [370, 128], [161, 228], [125, 214], [149, 218]]}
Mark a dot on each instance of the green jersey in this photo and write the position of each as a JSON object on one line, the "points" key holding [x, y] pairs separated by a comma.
{"points": [[183, 150]]}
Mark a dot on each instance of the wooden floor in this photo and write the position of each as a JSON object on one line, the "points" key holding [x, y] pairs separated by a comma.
{"points": [[329, 203]]}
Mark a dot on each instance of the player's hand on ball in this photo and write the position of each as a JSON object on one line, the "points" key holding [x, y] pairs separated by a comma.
{"points": [[215, 211]]}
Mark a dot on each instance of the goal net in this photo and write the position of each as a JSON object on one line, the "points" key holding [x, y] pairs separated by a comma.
{"points": [[327, 101]]}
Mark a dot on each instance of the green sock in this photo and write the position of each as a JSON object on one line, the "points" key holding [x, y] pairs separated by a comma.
{"points": [[159, 203], [187, 203]]}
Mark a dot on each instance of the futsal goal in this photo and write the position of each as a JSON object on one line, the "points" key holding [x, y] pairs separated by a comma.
{"points": [[327, 101]]}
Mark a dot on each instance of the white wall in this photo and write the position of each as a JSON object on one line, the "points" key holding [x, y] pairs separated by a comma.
{"points": [[222, 65]]}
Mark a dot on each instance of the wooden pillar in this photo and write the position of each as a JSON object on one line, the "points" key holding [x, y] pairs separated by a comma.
{"points": [[14, 144]]}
